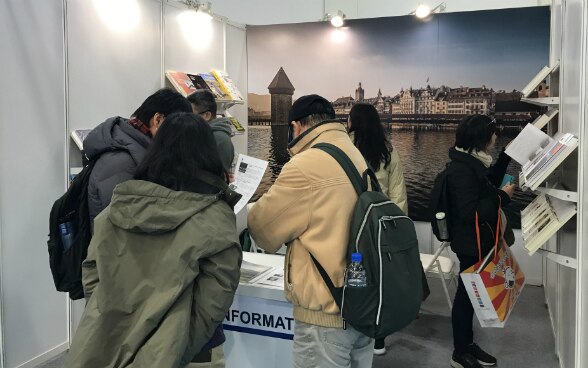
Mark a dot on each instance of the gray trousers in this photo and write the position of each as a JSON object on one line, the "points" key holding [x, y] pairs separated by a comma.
{"points": [[323, 347]]}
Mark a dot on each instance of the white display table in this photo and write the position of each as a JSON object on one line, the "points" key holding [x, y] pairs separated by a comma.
{"points": [[259, 326]]}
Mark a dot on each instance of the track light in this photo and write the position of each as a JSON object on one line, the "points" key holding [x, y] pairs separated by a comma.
{"points": [[337, 19], [423, 10], [204, 10]]}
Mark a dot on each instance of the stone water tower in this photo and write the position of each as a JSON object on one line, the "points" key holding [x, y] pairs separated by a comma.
{"points": [[281, 91]]}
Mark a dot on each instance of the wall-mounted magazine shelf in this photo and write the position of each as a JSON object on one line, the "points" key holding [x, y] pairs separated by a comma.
{"points": [[544, 119], [537, 170], [222, 105], [564, 195], [539, 154], [540, 77], [542, 218], [78, 137], [558, 258], [551, 102]]}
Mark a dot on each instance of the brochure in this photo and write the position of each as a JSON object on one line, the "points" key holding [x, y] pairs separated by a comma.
{"points": [[248, 174]]}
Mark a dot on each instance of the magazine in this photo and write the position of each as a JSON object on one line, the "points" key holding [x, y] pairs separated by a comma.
{"points": [[250, 271], [181, 82], [214, 86], [273, 279], [236, 125], [548, 159], [527, 143], [78, 137], [198, 82], [227, 85]]}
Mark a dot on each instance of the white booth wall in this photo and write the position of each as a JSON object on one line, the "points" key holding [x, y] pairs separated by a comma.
{"points": [[565, 287], [32, 176], [109, 72]]}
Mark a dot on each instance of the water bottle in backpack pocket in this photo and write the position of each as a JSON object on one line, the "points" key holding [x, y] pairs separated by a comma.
{"points": [[67, 232]]}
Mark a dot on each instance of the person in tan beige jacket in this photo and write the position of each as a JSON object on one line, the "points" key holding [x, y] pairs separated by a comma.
{"points": [[309, 208]]}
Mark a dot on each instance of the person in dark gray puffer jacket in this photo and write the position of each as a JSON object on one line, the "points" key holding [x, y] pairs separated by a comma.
{"points": [[121, 144], [204, 104]]}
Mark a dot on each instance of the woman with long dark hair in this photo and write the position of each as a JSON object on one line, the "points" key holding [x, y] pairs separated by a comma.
{"points": [[474, 202], [163, 264], [368, 135]]}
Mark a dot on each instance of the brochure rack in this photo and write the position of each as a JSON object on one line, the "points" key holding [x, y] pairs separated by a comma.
{"points": [[552, 208], [222, 87]]}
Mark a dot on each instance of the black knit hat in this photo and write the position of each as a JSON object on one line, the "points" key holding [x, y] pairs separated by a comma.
{"points": [[310, 105]]}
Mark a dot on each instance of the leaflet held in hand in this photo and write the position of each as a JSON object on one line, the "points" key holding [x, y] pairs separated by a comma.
{"points": [[248, 174]]}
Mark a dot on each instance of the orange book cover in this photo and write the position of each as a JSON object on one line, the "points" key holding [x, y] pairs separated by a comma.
{"points": [[181, 82]]}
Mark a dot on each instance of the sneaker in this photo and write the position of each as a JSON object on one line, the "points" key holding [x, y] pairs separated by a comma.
{"points": [[483, 357], [379, 347], [464, 360]]}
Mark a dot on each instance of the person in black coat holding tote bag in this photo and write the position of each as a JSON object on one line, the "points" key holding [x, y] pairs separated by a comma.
{"points": [[473, 197]]}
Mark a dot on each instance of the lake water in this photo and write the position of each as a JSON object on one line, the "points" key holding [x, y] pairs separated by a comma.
{"points": [[423, 155]]}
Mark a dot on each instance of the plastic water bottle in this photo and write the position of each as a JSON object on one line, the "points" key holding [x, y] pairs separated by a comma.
{"points": [[67, 232], [356, 276], [442, 225]]}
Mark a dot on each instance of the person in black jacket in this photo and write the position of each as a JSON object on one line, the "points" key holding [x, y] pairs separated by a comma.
{"points": [[472, 188]]}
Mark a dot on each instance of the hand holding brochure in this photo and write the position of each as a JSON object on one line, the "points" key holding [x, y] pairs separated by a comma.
{"points": [[248, 174]]}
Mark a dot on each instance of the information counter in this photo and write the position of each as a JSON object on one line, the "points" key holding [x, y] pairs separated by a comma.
{"points": [[259, 326]]}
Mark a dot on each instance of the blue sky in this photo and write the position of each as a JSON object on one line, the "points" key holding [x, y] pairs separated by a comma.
{"points": [[502, 49]]}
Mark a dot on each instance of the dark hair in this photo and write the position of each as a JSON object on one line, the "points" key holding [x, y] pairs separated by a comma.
{"points": [[369, 135], [183, 145], [474, 132], [165, 101], [204, 100], [314, 119]]}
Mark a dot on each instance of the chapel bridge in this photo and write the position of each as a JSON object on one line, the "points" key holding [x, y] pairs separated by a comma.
{"points": [[424, 119]]}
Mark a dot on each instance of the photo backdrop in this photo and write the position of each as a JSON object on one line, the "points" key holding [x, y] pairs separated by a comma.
{"points": [[422, 76]]}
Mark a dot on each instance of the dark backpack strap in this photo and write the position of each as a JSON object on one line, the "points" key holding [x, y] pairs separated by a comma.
{"points": [[345, 163], [324, 275], [226, 193], [369, 173]]}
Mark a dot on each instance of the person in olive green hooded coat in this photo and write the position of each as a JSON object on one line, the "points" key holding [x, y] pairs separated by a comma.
{"points": [[163, 264]]}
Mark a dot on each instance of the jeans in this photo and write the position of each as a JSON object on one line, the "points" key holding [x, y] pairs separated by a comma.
{"points": [[324, 347], [462, 314]]}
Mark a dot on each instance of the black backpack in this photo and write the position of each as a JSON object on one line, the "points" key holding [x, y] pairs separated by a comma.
{"points": [[439, 202], [70, 213], [387, 240]]}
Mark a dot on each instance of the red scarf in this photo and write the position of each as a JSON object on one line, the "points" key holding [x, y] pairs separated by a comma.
{"points": [[140, 126]]}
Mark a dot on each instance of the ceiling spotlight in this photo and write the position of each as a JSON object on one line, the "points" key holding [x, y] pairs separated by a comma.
{"points": [[203, 9], [337, 20], [423, 10]]}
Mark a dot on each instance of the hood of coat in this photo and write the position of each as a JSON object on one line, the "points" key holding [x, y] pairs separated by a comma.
{"points": [[141, 206], [116, 134], [221, 125]]}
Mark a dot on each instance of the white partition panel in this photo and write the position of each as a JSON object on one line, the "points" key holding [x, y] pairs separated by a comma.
{"points": [[236, 67], [571, 104], [193, 49], [111, 70], [32, 167]]}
